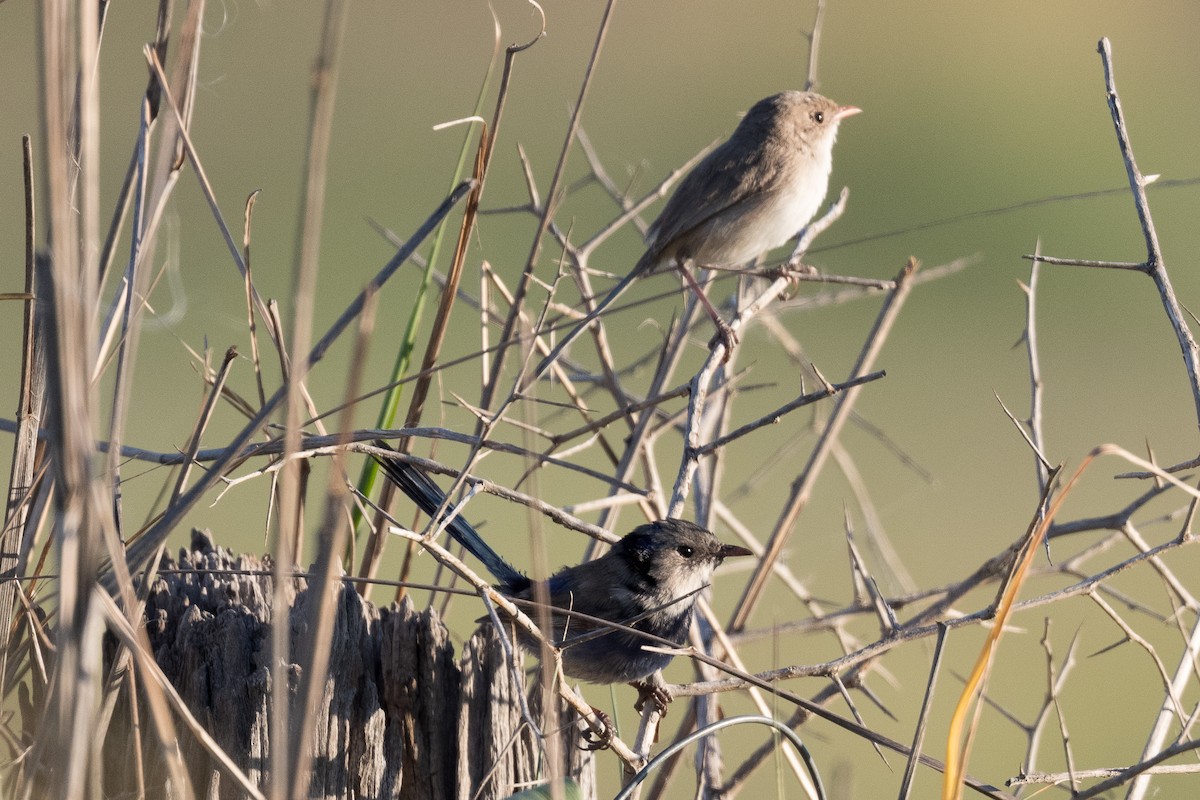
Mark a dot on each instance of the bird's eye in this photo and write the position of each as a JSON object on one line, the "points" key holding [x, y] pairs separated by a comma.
{"points": [[818, 117], [685, 551]]}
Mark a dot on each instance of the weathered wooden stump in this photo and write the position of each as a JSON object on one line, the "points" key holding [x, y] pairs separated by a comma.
{"points": [[401, 717]]}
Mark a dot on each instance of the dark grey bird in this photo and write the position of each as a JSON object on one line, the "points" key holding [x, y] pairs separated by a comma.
{"points": [[648, 581]]}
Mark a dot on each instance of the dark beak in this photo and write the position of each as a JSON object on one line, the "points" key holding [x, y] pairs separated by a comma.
{"points": [[729, 550]]}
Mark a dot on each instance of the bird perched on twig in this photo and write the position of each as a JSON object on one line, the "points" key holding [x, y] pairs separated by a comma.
{"points": [[648, 581], [748, 196]]}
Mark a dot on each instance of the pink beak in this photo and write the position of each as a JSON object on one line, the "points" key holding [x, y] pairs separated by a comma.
{"points": [[846, 111]]}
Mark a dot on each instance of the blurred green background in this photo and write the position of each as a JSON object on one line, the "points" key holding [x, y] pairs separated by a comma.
{"points": [[967, 107]]}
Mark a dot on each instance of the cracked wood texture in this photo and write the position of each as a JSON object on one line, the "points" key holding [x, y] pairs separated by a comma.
{"points": [[401, 716]]}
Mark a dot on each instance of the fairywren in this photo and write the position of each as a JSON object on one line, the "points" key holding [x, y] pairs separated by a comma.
{"points": [[750, 195], [648, 581]]}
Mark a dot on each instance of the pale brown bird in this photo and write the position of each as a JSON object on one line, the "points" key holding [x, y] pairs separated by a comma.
{"points": [[751, 194]]}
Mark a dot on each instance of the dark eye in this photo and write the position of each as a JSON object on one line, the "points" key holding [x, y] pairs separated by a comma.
{"points": [[685, 551], [818, 117]]}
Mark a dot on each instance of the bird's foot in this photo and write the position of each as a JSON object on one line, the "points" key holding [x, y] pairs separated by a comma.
{"points": [[653, 692], [726, 336], [599, 741], [791, 272]]}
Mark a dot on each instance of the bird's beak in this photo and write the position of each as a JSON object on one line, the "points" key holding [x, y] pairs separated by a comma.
{"points": [[728, 550], [846, 111]]}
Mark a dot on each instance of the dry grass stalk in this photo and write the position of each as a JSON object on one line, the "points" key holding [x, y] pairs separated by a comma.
{"points": [[650, 430]]}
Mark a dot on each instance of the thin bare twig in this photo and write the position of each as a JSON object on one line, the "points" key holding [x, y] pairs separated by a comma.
{"points": [[773, 417], [1145, 767], [802, 487], [1036, 388], [522, 288], [1154, 265], [154, 536], [910, 767]]}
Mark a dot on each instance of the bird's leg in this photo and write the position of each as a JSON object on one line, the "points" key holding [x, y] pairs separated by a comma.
{"points": [[598, 741], [724, 332], [654, 690]]}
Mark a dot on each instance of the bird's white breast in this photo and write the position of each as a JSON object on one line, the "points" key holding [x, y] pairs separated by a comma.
{"points": [[797, 202], [743, 234]]}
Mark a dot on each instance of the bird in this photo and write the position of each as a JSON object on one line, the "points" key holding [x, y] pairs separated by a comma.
{"points": [[648, 581], [755, 191]]}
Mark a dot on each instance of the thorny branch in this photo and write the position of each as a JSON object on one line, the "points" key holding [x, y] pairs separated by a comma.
{"points": [[616, 423]]}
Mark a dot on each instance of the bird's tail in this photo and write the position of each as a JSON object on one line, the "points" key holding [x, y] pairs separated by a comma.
{"points": [[645, 263], [419, 488]]}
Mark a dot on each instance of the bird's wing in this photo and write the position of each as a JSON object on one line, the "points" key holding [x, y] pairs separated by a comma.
{"points": [[723, 180]]}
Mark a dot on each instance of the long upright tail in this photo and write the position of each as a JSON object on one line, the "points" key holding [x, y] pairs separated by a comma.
{"points": [[643, 266], [429, 498]]}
